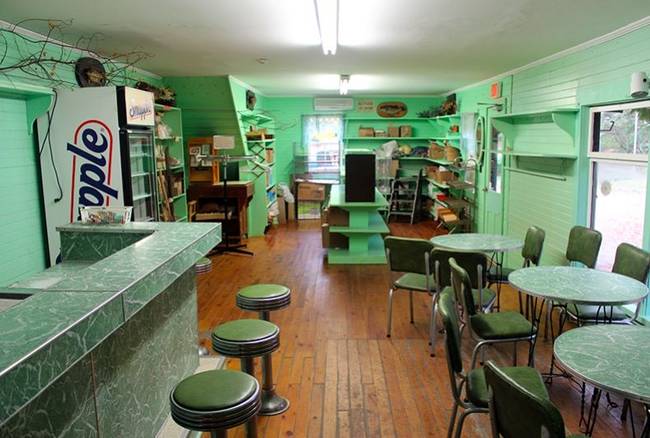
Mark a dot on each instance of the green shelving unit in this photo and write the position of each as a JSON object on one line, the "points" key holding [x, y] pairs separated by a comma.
{"points": [[364, 230], [174, 146]]}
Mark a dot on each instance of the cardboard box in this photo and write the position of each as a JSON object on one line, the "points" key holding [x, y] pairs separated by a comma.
{"points": [[393, 131], [394, 166], [269, 155], [311, 192], [436, 151], [406, 131], [338, 217], [333, 240], [442, 176], [366, 132]]}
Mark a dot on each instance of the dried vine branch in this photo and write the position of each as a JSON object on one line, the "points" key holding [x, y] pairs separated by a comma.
{"points": [[42, 58]]}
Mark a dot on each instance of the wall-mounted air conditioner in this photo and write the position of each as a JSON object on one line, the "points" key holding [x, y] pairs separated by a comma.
{"points": [[333, 103]]}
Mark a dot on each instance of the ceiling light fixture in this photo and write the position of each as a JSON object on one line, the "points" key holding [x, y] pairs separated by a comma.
{"points": [[344, 85], [327, 14]]}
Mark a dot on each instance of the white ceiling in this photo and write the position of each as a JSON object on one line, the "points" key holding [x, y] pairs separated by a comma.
{"points": [[388, 46]]}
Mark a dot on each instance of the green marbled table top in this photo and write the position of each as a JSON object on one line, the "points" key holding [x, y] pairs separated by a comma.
{"points": [[614, 358], [578, 285], [477, 242], [73, 306]]}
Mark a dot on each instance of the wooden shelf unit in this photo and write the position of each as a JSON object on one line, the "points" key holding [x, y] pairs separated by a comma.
{"points": [[175, 148]]}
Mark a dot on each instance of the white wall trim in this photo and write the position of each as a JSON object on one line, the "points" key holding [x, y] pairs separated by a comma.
{"points": [[628, 28], [30, 33]]}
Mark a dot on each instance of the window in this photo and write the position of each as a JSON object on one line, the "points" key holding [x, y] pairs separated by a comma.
{"points": [[497, 141], [618, 155], [322, 136]]}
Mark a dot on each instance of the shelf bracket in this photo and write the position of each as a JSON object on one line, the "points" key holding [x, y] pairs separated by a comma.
{"points": [[566, 122]]}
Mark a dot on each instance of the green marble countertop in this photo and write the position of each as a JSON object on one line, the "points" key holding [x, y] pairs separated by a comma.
{"points": [[477, 242], [614, 358], [73, 306], [578, 285]]}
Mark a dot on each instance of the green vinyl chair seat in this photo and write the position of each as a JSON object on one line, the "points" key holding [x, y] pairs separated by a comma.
{"points": [[587, 312], [214, 390], [494, 277], [412, 281], [501, 325], [529, 378], [487, 296]]}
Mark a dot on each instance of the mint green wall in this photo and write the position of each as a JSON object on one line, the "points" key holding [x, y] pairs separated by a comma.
{"points": [[595, 75], [22, 236], [257, 209], [288, 112]]}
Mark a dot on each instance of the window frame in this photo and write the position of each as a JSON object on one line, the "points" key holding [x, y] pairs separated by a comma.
{"points": [[607, 157]]}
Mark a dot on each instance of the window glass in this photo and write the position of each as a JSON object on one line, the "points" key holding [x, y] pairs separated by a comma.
{"points": [[322, 136], [618, 206], [622, 130], [620, 136]]}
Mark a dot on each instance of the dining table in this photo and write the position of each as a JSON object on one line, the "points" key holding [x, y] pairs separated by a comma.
{"points": [[614, 359], [495, 244]]}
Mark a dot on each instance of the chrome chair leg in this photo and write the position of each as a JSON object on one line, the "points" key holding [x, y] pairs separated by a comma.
{"points": [[452, 420], [390, 312]]}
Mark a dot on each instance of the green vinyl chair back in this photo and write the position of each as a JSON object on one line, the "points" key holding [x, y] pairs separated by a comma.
{"points": [[583, 246], [468, 260], [449, 314], [533, 245], [516, 412], [632, 262], [409, 255], [462, 284]]}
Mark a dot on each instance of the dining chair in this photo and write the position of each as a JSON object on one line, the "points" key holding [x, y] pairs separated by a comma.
{"points": [[630, 261], [474, 263], [531, 253], [582, 249], [410, 260], [491, 328], [521, 410], [469, 390]]}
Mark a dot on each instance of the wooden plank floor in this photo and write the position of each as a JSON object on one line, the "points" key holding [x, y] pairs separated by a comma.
{"points": [[344, 378]]}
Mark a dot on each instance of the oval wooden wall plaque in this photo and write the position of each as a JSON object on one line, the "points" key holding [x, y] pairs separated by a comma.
{"points": [[391, 109]]}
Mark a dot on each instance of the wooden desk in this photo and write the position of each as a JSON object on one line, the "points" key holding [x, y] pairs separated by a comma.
{"points": [[239, 195]]}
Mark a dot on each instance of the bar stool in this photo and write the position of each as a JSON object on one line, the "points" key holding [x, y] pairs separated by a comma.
{"points": [[246, 339], [264, 298], [215, 401]]}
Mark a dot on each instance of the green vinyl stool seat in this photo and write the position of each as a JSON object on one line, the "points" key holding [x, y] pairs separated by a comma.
{"points": [[265, 298], [246, 338], [215, 401]]}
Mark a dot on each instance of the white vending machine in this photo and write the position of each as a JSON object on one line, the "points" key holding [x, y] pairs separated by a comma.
{"points": [[96, 148]]}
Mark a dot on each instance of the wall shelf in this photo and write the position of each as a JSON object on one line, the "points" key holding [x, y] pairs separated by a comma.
{"points": [[386, 119], [38, 99], [538, 155], [428, 160], [564, 118], [252, 118], [385, 138]]}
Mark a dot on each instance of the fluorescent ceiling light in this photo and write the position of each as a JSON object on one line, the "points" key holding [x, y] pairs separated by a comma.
{"points": [[327, 13], [344, 85]]}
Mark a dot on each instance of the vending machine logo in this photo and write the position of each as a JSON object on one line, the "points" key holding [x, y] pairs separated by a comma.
{"points": [[92, 160]]}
